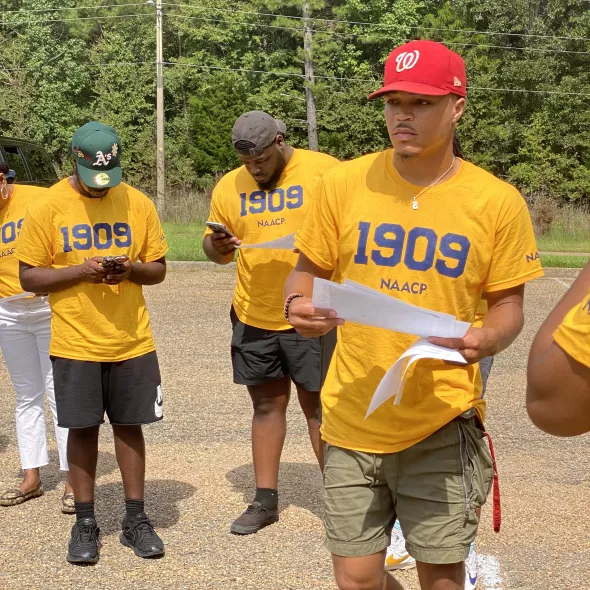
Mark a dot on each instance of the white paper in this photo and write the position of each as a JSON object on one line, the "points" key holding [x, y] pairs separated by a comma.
{"points": [[19, 296], [362, 305], [284, 243], [393, 381]]}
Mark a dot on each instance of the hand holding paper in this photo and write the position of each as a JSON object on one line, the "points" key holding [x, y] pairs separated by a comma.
{"points": [[361, 304]]}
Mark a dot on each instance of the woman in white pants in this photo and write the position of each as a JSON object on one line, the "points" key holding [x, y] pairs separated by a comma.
{"points": [[25, 330]]}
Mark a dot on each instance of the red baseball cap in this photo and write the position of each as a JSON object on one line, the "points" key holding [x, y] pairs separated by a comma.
{"points": [[424, 67]]}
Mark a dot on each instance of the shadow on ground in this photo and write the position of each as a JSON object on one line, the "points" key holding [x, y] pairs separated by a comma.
{"points": [[52, 476], [3, 442], [161, 498], [300, 484]]}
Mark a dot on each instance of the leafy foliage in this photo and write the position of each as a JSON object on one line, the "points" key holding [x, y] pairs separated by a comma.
{"points": [[527, 120]]}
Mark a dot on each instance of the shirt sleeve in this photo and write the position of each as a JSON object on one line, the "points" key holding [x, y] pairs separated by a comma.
{"points": [[216, 211], [573, 334], [318, 235], [515, 259], [155, 245], [34, 245]]}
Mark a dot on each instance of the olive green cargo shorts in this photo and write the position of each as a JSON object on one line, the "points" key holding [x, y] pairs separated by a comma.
{"points": [[433, 488]]}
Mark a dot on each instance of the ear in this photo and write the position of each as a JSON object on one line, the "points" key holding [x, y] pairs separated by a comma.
{"points": [[280, 141], [458, 109]]}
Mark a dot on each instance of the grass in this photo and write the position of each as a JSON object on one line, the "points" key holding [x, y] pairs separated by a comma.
{"points": [[185, 240], [563, 239], [552, 261]]}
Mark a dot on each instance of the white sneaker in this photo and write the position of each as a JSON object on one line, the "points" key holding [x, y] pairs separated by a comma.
{"points": [[471, 571], [397, 556]]}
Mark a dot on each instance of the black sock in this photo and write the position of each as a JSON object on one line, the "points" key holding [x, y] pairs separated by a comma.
{"points": [[268, 497], [134, 507], [84, 509]]}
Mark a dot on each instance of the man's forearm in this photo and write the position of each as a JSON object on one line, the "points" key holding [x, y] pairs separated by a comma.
{"points": [[213, 255], [506, 320], [39, 279], [148, 273], [299, 282]]}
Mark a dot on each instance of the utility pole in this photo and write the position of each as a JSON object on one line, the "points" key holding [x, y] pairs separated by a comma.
{"points": [[312, 126], [160, 154]]}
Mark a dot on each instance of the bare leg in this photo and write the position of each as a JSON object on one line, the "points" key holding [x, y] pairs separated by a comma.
{"points": [[130, 452], [311, 406], [441, 577], [82, 458], [269, 428], [363, 573]]}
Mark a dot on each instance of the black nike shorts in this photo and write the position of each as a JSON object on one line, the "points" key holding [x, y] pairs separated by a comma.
{"points": [[259, 356], [130, 391]]}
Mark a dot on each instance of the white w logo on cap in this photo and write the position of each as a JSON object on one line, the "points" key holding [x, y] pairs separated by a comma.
{"points": [[407, 60]]}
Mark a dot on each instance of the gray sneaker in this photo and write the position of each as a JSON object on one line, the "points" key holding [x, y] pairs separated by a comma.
{"points": [[254, 518]]}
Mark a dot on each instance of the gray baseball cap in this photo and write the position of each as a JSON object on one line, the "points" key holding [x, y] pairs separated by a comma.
{"points": [[282, 127], [254, 131]]}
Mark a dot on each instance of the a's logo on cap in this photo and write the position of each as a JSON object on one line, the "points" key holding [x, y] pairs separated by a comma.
{"points": [[101, 179], [407, 60], [457, 82], [102, 159]]}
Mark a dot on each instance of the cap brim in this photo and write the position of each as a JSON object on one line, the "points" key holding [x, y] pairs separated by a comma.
{"points": [[412, 87], [95, 178]]}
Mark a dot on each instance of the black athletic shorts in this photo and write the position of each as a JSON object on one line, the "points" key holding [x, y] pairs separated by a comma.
{"points": [[259, 356], [130, 392]]}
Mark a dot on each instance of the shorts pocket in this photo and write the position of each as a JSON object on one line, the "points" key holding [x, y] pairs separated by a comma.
{"points": [[476, 462]]}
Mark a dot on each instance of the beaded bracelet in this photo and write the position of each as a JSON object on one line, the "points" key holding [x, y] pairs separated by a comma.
{"points": [[288, 302]]}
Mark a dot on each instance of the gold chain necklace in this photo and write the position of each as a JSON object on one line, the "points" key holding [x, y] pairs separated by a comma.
{"points": [[415, 197]]}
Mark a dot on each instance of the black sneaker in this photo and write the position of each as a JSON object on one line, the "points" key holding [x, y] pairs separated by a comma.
{"points": [[84, 545], [254, 518], [139, 534]]}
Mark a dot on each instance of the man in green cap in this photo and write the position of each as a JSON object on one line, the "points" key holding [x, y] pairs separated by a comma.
{"points": [[91, 243]]}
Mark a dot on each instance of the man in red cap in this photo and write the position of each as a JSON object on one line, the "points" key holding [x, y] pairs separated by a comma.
{"points": [[424, 226]]}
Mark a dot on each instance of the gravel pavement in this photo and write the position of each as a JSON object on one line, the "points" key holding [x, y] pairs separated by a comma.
{"points": [[200, 475]]}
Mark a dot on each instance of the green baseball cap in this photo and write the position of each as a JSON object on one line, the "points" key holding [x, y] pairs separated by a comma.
{"points": [[97, 149]]}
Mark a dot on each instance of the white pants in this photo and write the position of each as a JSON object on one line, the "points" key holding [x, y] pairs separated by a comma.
{"points": [[25, 331]]}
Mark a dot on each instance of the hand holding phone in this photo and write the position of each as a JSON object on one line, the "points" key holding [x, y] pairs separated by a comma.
{"points": [[222, 239], [219, 228]]}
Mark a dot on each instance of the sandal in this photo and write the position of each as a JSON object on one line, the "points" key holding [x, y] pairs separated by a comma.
{"points": [[16, 496], [67, 504]]}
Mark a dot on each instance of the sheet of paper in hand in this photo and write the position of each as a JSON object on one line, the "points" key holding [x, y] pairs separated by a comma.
{"points": [[362, 305], [285, 243], [393, 381]]}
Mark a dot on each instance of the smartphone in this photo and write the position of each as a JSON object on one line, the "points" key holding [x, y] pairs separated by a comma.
{"points": [[219, 227], [113, 261]]}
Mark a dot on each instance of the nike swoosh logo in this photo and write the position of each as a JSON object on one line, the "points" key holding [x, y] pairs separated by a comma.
{"points": [[473, 581], [160, 403], [396, 561]]}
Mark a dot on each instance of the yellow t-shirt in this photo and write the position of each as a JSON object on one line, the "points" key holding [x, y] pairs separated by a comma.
{"points": [[94, 322], [11, 220], [256, 216], [471, 233], [573, 334]]}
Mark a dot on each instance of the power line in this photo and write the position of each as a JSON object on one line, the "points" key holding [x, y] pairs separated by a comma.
{"points": [[32, 10], [377, 25], [364, 80], [296, 75], [372, 35], [78, 18]]}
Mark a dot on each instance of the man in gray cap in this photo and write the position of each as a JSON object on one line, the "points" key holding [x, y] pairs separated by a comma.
{"points": [[263, 200]]}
